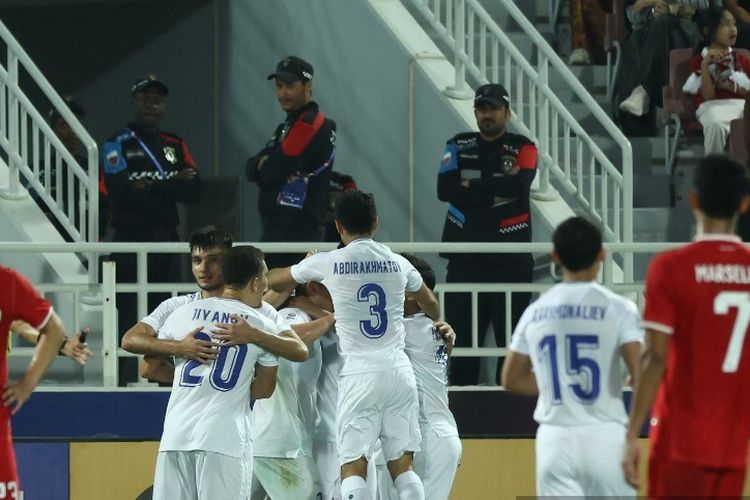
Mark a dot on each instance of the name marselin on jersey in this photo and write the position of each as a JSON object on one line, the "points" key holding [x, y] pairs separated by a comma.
{"points": [[215, 316], [722, 273], [366, 267], [570, 311]]}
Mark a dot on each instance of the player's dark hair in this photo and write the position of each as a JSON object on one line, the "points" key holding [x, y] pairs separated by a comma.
{"points": [[424, 268], [240, 265], [210, 237], [356, 211], [577, 242], [720, 183]]}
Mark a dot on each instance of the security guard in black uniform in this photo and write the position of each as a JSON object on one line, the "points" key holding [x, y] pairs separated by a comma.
{"points": [[293, 170], [486, 177]]}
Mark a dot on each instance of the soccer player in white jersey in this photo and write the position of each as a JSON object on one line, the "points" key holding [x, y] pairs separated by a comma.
{"points": [[204, 449], [567, 349], [428, 346], [283, 425], [377, 390], [207, 247]]}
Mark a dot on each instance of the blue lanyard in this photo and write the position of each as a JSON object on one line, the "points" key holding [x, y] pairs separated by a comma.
{"points": [[150, 154]]}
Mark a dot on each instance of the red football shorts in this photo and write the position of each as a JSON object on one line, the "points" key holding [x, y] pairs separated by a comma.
{"points": [[674, 479]]}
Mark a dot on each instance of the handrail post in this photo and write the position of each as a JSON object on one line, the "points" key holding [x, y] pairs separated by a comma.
{"points": [[13, 190], [110, 334], [93, 211], [459, 89], [627, 212]]}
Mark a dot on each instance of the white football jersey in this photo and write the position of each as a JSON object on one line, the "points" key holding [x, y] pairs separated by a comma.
{"points": [[159, 315], [328, 388], [209, 404], [573, 334], [367, 282], [279, 428], [426, 350]]}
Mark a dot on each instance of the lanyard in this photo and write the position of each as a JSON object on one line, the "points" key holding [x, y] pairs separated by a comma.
{"points": [[150, 154]]}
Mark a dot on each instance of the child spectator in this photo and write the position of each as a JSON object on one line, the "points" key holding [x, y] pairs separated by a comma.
{"points": [[719, 82]]}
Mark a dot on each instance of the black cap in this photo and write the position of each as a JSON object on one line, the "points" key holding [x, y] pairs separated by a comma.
{"points": [[146, 81], [74, 106], [290, 69], [492, 93]]}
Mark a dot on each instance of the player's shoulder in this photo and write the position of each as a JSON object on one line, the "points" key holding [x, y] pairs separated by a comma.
{"points": [[294, 315], [419, 321], [173, 303], [614, 299]]}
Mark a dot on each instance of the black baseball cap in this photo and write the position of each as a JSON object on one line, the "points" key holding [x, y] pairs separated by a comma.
{"points": [[290, 69], [146, 81], [74, 106], [492, 93]]}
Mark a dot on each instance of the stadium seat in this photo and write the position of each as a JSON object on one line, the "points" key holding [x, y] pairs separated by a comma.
{"points": [[614, 38], [737, 143], [678, 106]]}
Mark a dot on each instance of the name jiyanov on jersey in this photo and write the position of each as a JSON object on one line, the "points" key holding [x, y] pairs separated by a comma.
{"points": [[366, 267], [722, 273], [570, 311], [215, 316]]}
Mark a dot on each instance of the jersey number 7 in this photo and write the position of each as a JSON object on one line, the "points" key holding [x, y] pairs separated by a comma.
{"points": [[722, 303]]}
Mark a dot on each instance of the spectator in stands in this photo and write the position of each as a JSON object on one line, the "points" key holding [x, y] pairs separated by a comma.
{"points": [[293, 170], [486, 177], [147, 172], [741, 11], [587, 23], [719, 82], [656, 29]]}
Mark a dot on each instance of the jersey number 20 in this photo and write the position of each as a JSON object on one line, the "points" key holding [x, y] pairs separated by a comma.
{"points": [[576, 364], [218, 380]]}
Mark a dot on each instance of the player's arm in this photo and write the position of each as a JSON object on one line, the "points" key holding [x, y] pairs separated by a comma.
{"points": [[280, 280], [277, 298], [264, 382], [72, 347], [156, 369], [286, 344], [517, 375], [517, 182], [50, 339], [311, 331], [653, 363], [141, 339], [631, 353], [427, 302], [453, 189], [447, 334]]}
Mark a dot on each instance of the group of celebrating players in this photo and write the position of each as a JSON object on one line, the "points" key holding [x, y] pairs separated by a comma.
{"points": [[341, 393]]}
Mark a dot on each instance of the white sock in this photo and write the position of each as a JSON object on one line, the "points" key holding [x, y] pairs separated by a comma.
{"points": [[409, 486], [355, 488]]}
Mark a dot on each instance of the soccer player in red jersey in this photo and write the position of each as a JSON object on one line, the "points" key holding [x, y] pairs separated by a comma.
{"points": [[696, 361], [19, 300]]}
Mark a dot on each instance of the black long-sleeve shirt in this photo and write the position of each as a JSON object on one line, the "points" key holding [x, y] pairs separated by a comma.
{"points": [[142, 197], [303, 146], [495, 205]]}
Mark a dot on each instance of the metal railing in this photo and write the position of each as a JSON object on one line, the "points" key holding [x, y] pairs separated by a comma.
{"points": [[110, 351], [38, 159], [566, 150]]}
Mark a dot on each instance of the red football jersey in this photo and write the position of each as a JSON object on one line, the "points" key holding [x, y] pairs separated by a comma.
{"points": [[18, 300], [700, 295]]}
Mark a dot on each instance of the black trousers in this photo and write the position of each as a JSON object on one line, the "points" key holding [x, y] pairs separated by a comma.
{"points": [[287, 228], [162, 268], [490, 308]]}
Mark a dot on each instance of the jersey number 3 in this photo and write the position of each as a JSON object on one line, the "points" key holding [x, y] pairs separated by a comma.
{"points": [[222, 378], [374, 295]]}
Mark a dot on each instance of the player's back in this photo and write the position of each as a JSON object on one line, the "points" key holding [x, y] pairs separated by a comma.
{"points": [[700, 295], [368, 282], [573, 334], [208, 406], [426, 351]]}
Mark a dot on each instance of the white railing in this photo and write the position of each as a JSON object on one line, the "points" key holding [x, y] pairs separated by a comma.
{"points": [[566, 150], [33, 151], [110, 350]]}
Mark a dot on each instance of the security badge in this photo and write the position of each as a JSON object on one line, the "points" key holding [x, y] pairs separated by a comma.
{"points": [[170, 154]]}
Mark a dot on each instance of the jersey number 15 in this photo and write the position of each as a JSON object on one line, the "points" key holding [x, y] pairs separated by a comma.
{"points": [[576, 364]]}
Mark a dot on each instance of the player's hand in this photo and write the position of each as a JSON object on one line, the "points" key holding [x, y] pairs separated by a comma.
{"points": [[203, 351], [630, 462], [310, 253], [447, 334], [235, 333], [16, 394], [76, 350]]}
